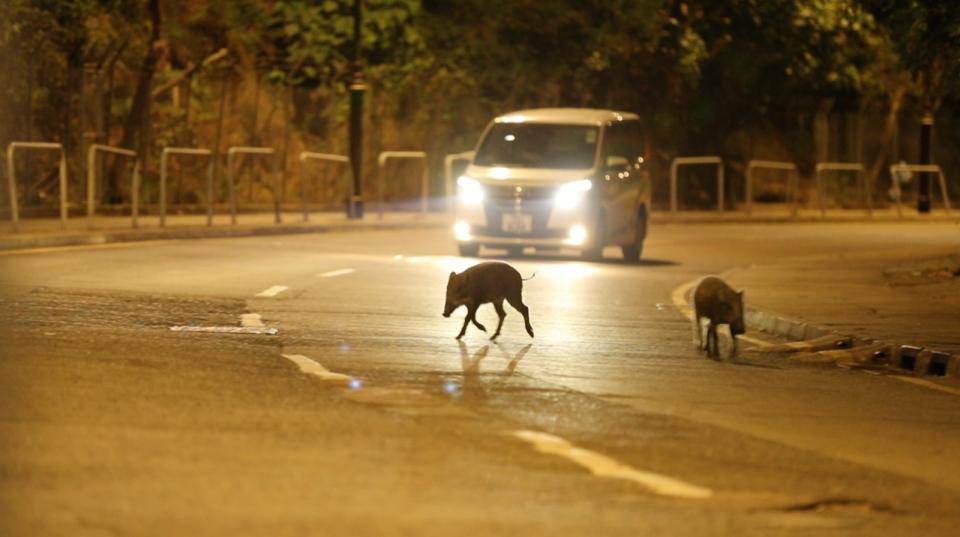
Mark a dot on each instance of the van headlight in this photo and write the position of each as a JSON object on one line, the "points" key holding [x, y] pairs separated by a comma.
{"points": [[470, 190], [570, 194]]}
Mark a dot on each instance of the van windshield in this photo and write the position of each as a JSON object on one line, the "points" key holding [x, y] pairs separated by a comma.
{"points": [[539, 145]]}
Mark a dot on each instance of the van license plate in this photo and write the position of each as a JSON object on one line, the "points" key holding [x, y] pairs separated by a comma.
{"points": [[517, 223]]}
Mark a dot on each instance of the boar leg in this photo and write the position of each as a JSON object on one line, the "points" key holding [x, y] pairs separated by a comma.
{"points": [[713, 343], [518, 305], [698, 331], [466, 320], [498, 305], [473, 318]]}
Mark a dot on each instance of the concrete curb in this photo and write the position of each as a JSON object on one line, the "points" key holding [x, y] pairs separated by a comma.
{"points": [[863, 353], [53, 240], [666, 218]]}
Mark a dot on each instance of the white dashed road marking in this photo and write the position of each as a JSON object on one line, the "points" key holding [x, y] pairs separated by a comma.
{"points": [[311, 367], [255, 330], [928, 384], [335, 273], [604, 466], [419, 258], [273, 291], [251, 320]]}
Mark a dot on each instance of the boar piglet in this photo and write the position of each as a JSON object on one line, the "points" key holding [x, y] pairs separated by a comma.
{"points": [[717, 302], [486, 282]]}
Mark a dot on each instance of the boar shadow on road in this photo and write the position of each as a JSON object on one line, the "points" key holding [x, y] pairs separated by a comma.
{"points": [[475, 387]]}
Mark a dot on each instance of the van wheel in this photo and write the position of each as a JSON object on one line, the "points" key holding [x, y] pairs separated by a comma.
{"points": [[468, 249], [632, 252]]}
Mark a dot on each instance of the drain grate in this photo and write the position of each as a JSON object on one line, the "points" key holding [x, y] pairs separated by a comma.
{"points": [[908, 357], [938, 364]]}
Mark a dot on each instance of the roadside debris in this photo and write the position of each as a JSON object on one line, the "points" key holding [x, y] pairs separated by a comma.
{"points": [[255, 330]]}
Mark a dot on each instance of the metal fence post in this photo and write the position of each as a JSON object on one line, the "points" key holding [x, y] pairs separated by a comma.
{"points": [[135, 193], [793, 180], [91, 182], [211, 166], [843, 166], [12, 179], [12, 184], [920, 168], [686, 161], [164, 156], [309, 155], [424, 181], [63, 189], [232, 190], [92, 179], [163, 186]]}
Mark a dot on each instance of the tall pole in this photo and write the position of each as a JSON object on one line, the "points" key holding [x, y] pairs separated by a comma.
{"points": [[215, 170], [357, 87], [923, 194]]}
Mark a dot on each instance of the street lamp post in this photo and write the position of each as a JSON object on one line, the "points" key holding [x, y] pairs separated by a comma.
{"points": [[357, 87], [923, 186]]}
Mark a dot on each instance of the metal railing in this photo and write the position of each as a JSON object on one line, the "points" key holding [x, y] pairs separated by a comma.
{"points": [[326, 157], [164, 155], [843, 167], [448, 180], [793, 178], [92, 180], [242, 150], [12, 179], [920, 168], [424, 178], [690, 161]]}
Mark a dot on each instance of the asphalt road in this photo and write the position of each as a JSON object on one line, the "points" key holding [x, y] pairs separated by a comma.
{"points": [[364, 416]]}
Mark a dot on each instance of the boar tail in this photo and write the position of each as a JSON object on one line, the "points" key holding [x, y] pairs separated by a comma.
{"points": [[530, 278]]}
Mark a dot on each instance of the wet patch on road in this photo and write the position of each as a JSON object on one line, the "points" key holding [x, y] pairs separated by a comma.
{"points": [[489, 389], [50, 308]]}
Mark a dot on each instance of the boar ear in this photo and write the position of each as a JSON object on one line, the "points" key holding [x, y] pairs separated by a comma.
{"points": [[453, 276]]}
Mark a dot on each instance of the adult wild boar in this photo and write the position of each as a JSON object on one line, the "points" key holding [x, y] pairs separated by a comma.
{"points": [[491, 281], [717, 302]]}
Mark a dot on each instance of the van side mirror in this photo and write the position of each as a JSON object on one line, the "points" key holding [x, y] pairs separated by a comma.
{"points": [[617, 163]]}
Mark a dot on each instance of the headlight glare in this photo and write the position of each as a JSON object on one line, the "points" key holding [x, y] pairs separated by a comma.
{"points": [[570, 194], [470, 190]]}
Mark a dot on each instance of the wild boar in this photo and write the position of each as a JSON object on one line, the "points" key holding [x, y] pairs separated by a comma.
{"points": [[717, 302], [492, 281]]}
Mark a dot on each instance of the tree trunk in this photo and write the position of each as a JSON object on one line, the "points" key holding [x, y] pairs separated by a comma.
{"points": [[889, 128], [134, 128]]}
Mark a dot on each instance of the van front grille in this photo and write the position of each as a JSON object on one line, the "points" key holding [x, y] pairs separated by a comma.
{"points": [[510, 199]]}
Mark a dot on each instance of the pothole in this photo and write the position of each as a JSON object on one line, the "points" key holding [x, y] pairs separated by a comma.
{"points": [[839, 505], [829, 513]]}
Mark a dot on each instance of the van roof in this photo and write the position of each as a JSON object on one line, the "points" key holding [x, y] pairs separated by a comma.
{"points": [[576, 116]]}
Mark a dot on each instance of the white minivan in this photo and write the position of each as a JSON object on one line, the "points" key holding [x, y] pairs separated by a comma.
{"points": [[556, 179]]}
